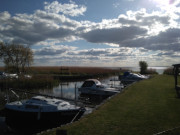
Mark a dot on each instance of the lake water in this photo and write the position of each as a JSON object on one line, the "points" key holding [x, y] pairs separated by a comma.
{"points": [[69, 90]]}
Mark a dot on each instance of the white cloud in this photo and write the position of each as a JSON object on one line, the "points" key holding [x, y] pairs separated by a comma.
{"points": [[4, 16], [150, 31], [133, 29], [37, 27], [70, 9], [154, 22], [139, 33], [68, 55]]}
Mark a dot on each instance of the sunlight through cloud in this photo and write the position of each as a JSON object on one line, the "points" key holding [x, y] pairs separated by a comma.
{"points": [[165, 4]]}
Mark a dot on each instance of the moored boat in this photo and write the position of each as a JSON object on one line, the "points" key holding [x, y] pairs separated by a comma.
{"points": [[129, 77], [41, 111], [94, 87]]}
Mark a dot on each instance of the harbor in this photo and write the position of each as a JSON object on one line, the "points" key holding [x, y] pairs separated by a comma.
{"points": [[149, 107], [63, 104], [89, 67], [132, 104], [67, 91]]}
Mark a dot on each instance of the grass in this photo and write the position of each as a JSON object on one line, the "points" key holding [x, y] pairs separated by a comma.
{"points": [[145, 108]]}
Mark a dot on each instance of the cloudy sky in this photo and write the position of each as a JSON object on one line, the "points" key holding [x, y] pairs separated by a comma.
{"points": [[111, 33]]}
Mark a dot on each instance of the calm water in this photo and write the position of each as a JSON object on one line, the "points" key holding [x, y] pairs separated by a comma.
{"points": [[69, 89]]}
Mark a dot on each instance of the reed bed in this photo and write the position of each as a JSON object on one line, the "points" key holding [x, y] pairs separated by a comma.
{"points": [[36, 82], [73, 70], [43, 77]]}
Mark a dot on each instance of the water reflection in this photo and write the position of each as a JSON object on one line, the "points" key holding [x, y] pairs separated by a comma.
{"points": [[69, 90]]}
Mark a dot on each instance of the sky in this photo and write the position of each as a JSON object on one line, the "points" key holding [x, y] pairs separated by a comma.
{"points": [[101, 33]]}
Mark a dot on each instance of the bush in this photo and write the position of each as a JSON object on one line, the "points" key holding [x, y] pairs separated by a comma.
{"points": [[168, 71], [151, 71], [36, 82]]}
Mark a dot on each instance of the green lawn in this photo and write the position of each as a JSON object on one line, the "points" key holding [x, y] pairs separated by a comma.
{"points": [[145, 108]]}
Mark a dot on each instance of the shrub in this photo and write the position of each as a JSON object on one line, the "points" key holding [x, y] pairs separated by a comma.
{"points": [[168, 71], [151, 71]]}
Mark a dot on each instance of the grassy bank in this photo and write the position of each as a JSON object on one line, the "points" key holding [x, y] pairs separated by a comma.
{"points": [[145, 108]]}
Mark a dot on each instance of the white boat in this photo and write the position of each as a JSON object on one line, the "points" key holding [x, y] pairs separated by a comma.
{"points": [[94, 87], [41, 111], [129, 78]]}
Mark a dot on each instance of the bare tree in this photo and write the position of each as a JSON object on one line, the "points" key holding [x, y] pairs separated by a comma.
{"points": [[16, 57]]}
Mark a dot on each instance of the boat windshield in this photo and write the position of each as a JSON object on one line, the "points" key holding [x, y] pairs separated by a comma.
{"points": [[63, 105], [58, 102], [88, 84]]}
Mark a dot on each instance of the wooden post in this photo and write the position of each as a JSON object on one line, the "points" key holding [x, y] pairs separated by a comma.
{"points": [[176, 73], [75, 92]]}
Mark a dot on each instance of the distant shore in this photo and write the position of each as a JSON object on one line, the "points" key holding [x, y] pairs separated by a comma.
{"points": [[159, 69], [82, 70], [42, 77]]}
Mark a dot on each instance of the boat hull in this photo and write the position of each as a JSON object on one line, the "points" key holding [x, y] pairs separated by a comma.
{"points": [[97, 92], [40, 120]]}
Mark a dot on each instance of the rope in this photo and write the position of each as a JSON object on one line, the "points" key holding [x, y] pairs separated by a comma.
{"points": [[75, 116]]}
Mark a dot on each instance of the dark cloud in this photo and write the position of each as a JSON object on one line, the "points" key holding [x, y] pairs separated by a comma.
{"points": [[103, 53], [168, 40], [51, 51], [113, 35], [31, 33], [33, 28], [93, 52], [151, 20], [165, 54]]}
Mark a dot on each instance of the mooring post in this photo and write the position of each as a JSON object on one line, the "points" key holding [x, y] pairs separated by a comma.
{"points": [[176, 73], [175, 70], [75, 92]]}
